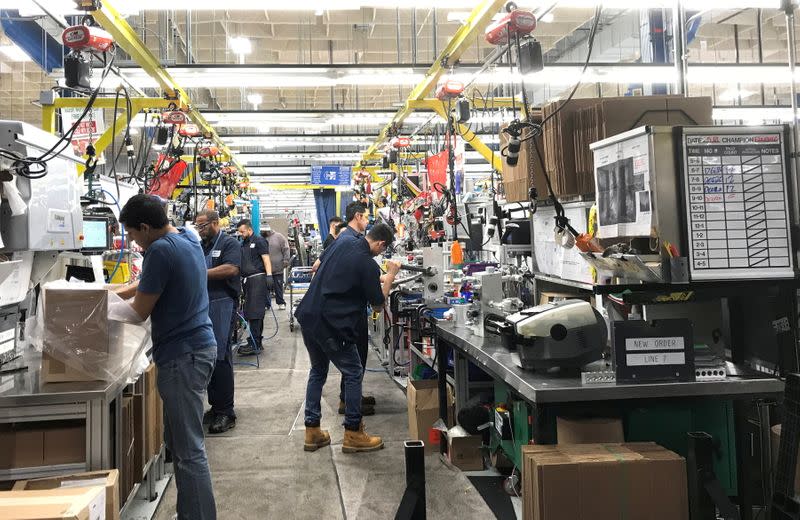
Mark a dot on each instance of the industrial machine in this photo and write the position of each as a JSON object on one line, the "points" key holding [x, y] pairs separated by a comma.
{"points": [[565, 334], [51, 218]]}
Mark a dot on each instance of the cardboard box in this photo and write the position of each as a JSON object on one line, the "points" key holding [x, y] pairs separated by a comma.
{"points": [[423, 412], [21, 446], [27, 445], [517, 179], [603, 482], [108, 478], [154, 412], [82, 503], [775, 437], [65, 444], [464, 450], [589, 431], [140, 458], [569, 133], [73, 319]]}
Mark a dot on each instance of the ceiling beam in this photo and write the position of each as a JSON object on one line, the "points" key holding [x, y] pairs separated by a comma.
{"points": [[464, 38]]}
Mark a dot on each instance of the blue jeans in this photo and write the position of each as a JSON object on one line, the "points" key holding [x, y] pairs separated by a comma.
{"points": [[344, 356], [181, 383]]}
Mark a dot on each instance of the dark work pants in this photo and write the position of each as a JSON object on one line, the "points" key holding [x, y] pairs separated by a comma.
{"points": [[344, 357], [362, 344], [278, 279], [221, 386], [257, 330]]}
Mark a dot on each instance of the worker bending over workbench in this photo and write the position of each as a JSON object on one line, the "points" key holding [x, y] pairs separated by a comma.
{"points": [[172, 292], [347, 279]]}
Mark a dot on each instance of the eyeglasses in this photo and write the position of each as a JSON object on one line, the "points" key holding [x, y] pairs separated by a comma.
{"points": [[202, 226]]}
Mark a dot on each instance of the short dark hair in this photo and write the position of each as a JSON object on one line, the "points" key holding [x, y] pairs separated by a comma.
{"points": [[353, 209], [210, 214], [335, 220], [341, 227], [244, 222], [381, 233], [144, 209]]}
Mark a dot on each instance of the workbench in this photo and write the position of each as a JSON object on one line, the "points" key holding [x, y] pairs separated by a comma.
{"points": [[550, 394], [99, 403]]}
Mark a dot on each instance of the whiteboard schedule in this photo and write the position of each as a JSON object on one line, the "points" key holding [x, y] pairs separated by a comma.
{"points": [[737, 202]]}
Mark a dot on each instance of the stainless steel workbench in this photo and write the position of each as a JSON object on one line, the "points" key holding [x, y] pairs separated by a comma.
{"points": [[537, 387], [24, 399]]}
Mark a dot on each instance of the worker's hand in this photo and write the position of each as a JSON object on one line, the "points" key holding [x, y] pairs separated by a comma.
{"points": [[269, 281], [392, 267]]}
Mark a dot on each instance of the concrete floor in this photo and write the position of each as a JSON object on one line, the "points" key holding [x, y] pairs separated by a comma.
{"points": [[260, 470]]}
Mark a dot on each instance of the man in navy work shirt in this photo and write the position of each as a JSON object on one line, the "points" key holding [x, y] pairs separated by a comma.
{"points": [[223, 256], [329, 315], [257, 281], [357, 220], [172, 292]]}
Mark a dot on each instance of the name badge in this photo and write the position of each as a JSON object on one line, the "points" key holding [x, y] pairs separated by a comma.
{"points": [[216, 253], [252, 246]]}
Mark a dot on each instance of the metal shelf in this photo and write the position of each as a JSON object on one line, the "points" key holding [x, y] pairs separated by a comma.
{"points": [[561, 281], [425, 359], [41, 471]]}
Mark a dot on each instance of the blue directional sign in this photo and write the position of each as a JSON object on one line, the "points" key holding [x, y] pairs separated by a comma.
{"points": [[331, 175]]}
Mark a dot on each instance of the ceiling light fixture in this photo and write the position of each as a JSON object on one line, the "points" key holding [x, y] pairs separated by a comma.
{"points": [[255, 100]]}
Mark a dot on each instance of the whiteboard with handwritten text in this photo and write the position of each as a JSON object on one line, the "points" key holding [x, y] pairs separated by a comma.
{"points": [[738, 206]]}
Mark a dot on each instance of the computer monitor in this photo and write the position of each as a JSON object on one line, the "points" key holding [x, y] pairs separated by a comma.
{"points": [[96, 233]]}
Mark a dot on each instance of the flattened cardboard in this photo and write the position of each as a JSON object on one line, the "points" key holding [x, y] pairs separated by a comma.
{"points": [[111, 477]]}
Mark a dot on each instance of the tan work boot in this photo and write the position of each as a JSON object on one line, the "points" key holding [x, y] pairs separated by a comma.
{"points": [[357, 441], [316, 438]]}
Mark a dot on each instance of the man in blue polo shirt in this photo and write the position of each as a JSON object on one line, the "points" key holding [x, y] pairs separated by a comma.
{"points": [[329, 314], [223, 256], [172, 292]]}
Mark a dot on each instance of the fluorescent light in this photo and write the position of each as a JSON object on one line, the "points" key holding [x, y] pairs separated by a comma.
{"points": [[14, 53], [547, 18], [319, 12], [255, 100], [305, 5], [250, 158], [240, 45]]}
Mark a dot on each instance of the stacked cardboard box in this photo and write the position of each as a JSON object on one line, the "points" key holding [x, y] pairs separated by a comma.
{"points": [[154, 413], [128, 476], [26, 445], [80, 503], [517, 179], [108, 478], [581, 122], [603, 482]]}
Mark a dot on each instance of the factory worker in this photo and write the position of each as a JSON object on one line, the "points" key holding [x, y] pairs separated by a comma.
{"points": [[172, 293], [256, 282], [223, 257], [330, 314]]}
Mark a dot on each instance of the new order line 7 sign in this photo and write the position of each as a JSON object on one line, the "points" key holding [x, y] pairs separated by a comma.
{"points": [[331, 175]]}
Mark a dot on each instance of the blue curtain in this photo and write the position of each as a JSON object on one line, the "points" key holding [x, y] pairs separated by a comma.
{"points": [[325, 201], [347, 198]]}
